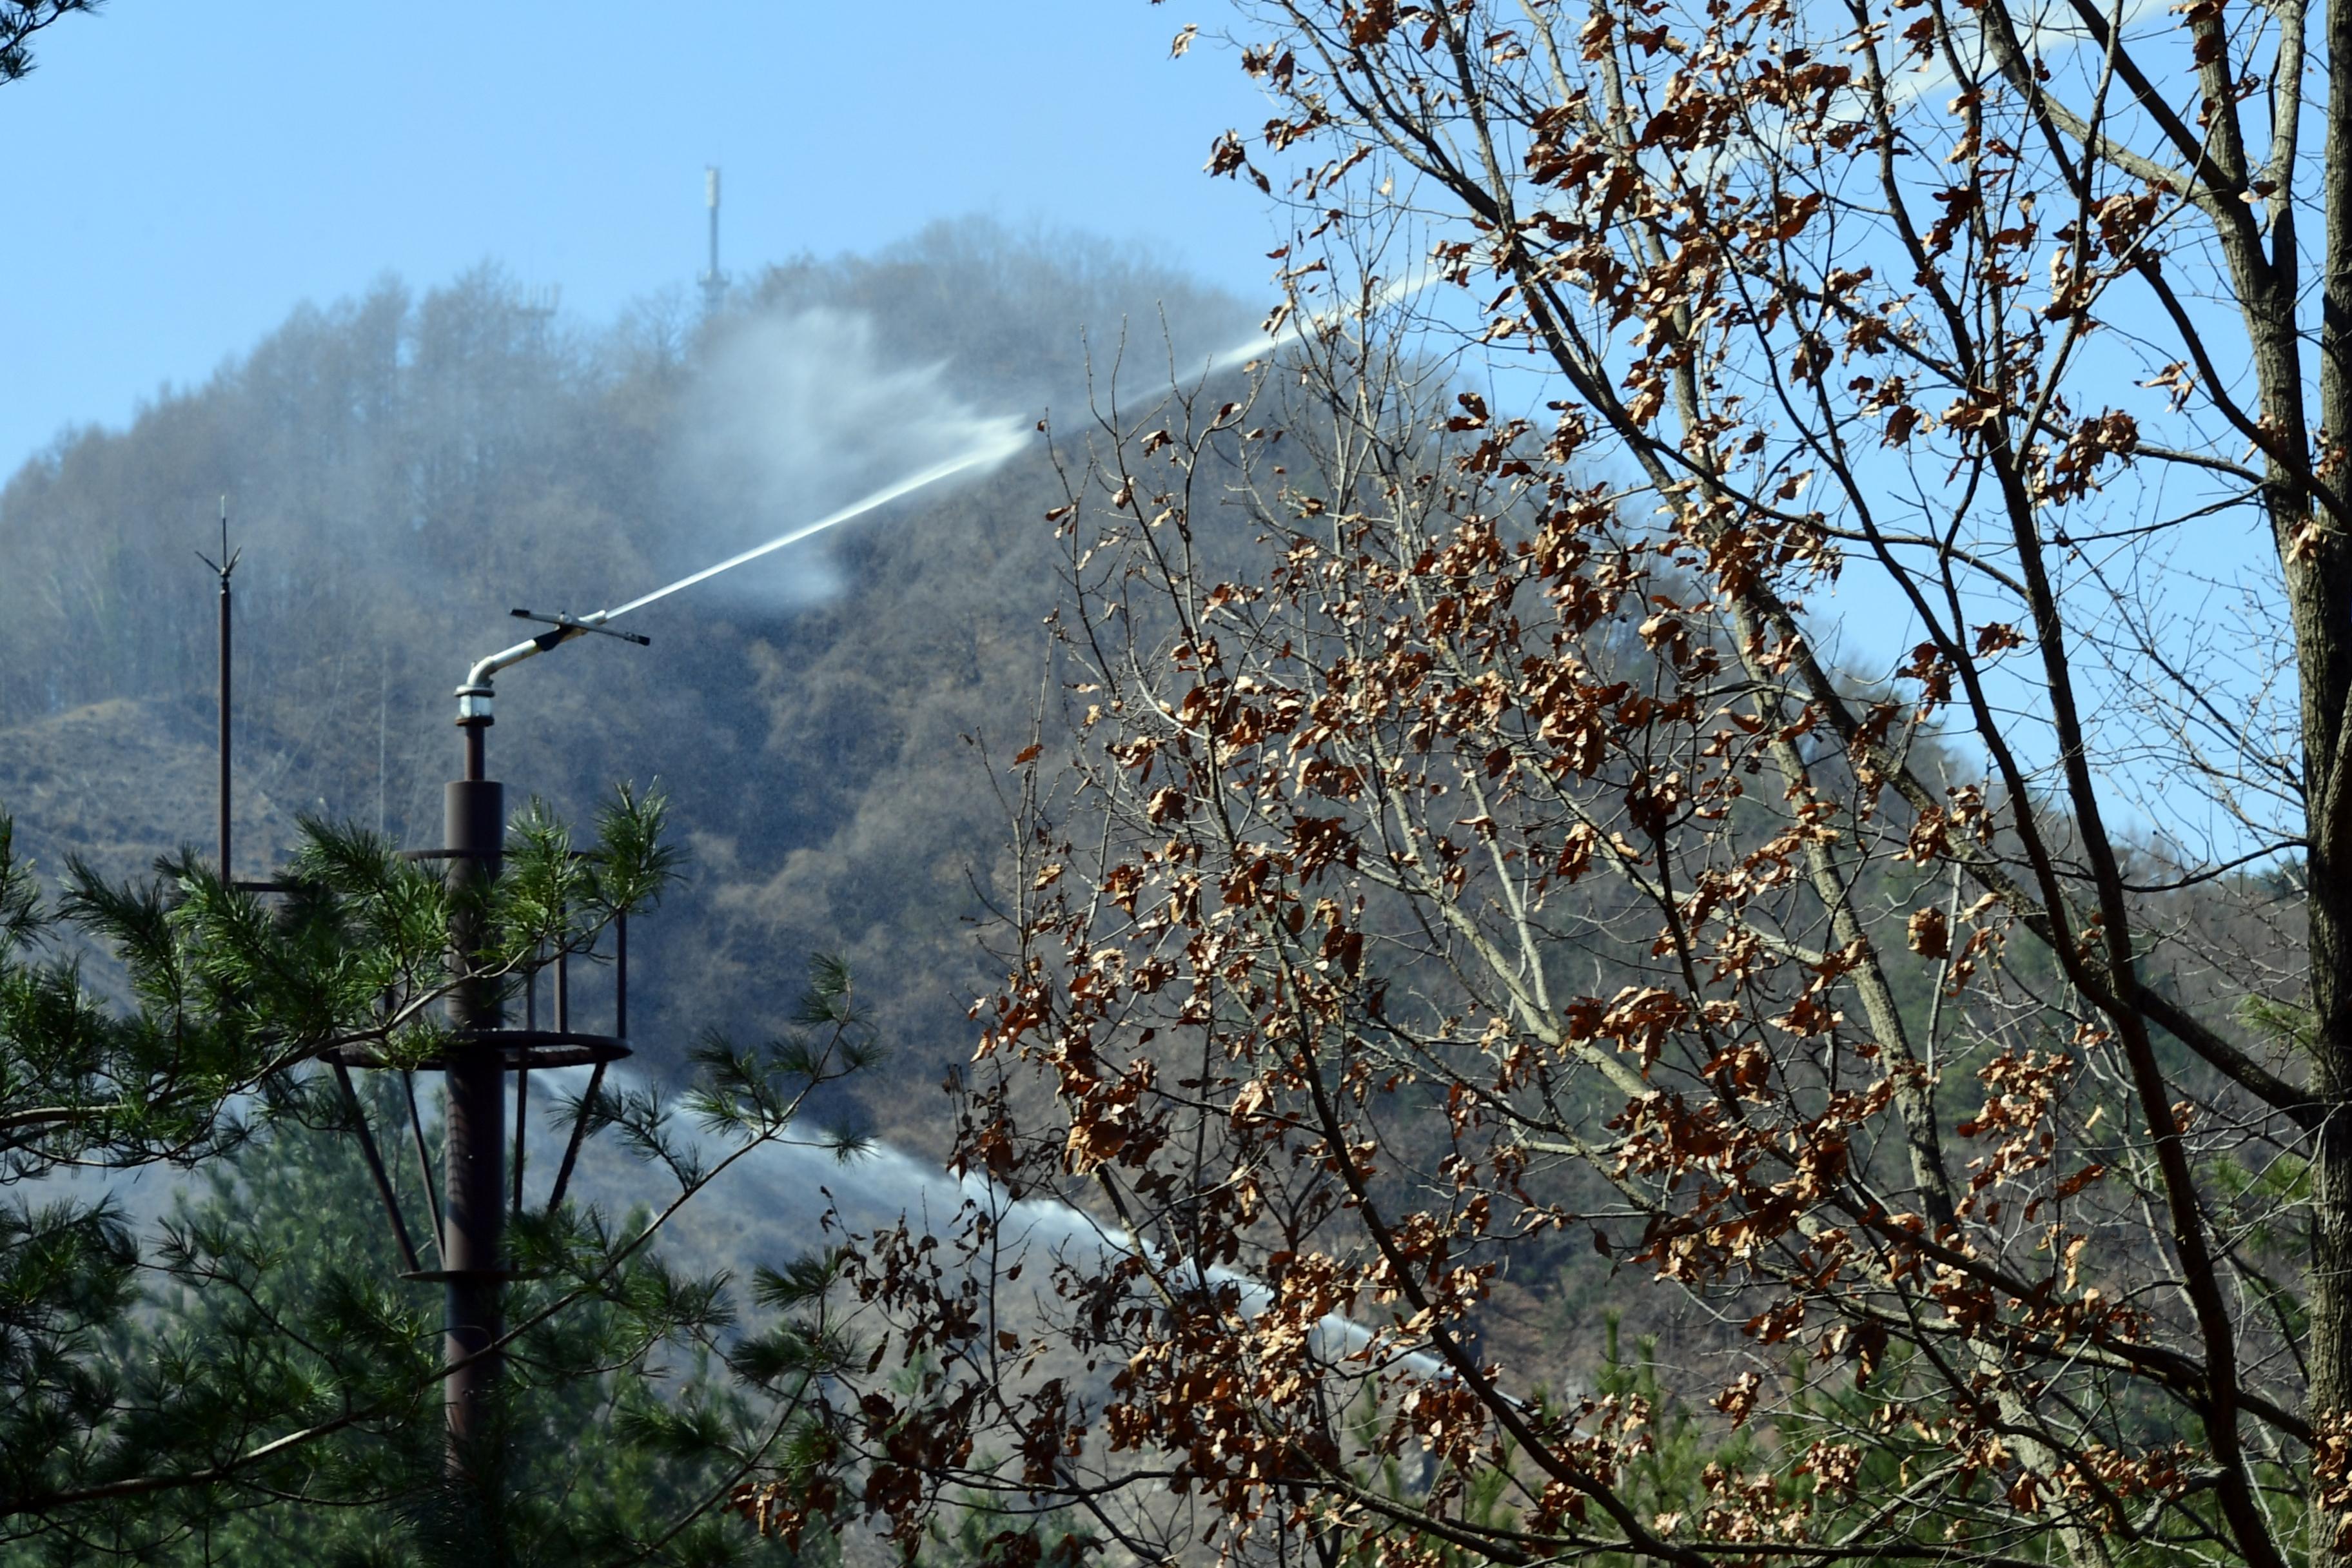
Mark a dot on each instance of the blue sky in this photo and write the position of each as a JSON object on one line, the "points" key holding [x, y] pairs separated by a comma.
{"points": [[182, 176]]}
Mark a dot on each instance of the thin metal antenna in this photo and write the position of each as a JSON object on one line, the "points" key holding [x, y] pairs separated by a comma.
{"points": [[224, 567]]}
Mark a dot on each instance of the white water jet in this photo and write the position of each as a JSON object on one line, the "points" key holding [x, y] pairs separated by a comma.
{"points": [[805, 412], [981, 443], [989, 453], [811, 380]]}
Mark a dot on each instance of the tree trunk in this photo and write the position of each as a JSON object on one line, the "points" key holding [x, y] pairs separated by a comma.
{"points": [[2323, 617]]}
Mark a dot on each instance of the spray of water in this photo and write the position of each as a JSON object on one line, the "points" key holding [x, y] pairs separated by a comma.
{"points": [[889, 1181], [993, 446], [987, 454], [802, 1184]]}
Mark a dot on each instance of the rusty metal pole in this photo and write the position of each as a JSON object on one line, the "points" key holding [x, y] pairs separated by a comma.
{"points": [[473, 1207]]}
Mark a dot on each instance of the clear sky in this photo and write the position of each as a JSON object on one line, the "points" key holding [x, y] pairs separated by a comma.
{"points": [[180, 176]]}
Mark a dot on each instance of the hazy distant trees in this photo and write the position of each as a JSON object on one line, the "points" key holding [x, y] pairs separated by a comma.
{"points": [[404, 467]]}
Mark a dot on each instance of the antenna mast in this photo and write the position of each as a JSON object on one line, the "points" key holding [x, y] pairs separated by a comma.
{"points": [[224, 566], [714, 282]]}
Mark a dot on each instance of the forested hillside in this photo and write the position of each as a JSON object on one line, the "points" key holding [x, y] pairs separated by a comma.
{"points": [[402, 468]]}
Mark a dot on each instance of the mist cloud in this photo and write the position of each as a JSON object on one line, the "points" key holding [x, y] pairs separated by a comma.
{"points": [[798, 415]]}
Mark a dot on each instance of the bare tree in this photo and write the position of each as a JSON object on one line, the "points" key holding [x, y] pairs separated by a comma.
{"points": [[1781, 705]]}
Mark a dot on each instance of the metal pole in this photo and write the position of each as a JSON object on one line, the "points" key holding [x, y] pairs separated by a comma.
{"points": [[424, 1164], [475, 765], [375, 1167], [225, 638], [224, 566], [474, 820], [714, 285], [522, 1082]]}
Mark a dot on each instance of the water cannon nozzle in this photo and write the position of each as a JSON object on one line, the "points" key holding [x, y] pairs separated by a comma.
{"points": [[570, 625]]}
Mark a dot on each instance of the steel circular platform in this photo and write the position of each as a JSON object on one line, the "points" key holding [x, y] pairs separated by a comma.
{"points": [[519, 1050]]}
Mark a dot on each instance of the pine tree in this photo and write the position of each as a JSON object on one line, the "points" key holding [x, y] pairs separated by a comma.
{"points": [[256, 1381]]}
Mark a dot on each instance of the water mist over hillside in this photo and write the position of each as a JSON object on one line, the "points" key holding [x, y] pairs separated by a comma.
{"points": [[796, 415]]}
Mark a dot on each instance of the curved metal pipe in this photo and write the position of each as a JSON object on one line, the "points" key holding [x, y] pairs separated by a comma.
{"points": [[474, 696]]}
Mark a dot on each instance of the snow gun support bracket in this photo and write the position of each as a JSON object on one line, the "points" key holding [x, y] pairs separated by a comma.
{"points": [[482, 1174], [476, 1179]]}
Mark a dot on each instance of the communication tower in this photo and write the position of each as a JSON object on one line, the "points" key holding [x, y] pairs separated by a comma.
{"points": [[714, 282]]}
